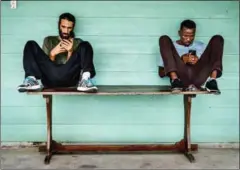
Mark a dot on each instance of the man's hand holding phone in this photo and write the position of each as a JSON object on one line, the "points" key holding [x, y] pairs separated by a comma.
{"points": [[190, 57], [193, 59], [67, 44], [57, 50]]}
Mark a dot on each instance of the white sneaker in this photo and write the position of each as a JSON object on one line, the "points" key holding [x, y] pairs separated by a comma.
{"points": [[87, 86]]}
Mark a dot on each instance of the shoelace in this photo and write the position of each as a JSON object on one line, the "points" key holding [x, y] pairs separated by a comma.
{"points": [[83, 83], [30, 82]]}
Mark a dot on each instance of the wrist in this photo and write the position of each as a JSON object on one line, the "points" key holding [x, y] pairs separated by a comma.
{"points": [[70, 51], [52, 53], [52, 56]]}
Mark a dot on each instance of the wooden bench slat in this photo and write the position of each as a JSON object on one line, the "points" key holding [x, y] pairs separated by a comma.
{"points": [[117, 90]]}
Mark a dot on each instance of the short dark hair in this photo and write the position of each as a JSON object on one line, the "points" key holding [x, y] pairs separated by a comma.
{"points": [[68, 17], [188, 24]]}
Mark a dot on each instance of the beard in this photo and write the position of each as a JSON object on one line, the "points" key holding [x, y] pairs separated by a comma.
{"points": [[65, 35]]}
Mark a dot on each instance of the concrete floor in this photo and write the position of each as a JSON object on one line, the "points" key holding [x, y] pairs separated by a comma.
{"points": [[30, 158]]}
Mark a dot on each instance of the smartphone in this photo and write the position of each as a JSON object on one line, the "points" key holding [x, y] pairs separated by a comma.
{"points": [[193, 52]]}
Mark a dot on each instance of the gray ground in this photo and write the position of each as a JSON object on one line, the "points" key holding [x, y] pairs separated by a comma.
{"points": [[30, 158]]}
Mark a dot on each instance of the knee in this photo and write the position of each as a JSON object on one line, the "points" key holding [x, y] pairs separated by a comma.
{"points": [[31, 43], [218, 38], [85, 44], [164, 38]]}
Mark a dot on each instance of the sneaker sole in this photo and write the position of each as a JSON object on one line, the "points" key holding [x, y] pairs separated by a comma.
{"points": [[176, 90], [89, 90], [32, 88], [213, 91]]}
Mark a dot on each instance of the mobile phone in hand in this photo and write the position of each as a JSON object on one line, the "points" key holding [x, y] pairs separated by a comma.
{"points": [[192, 52]]}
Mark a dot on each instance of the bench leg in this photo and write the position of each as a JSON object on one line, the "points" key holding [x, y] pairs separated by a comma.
{"points": [[187, 111], [49, 128]]}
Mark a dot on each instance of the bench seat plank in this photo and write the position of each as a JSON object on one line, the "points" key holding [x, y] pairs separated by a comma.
{"points": [[118, 90]]}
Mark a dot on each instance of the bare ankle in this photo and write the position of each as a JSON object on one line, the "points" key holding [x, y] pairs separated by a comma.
{"points": [[214, 74]]}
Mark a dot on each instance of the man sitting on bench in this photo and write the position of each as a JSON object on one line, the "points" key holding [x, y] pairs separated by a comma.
{"points": [[63, 61], [190, 63]]}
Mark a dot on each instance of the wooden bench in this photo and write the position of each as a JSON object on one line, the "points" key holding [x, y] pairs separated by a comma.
{"points": [[183, 146]]}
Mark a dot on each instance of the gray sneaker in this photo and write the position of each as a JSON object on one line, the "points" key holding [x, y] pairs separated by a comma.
{"points": [[87, 86], [29, 84]]}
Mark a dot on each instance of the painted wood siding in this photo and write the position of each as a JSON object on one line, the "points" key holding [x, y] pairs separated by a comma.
{"points": [[125, 37]]}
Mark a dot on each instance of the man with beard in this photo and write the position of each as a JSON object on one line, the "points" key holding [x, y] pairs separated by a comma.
{"points": [[63, 61], [190, 63]]}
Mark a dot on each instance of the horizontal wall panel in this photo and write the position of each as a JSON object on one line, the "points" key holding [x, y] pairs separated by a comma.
{"points": [[161, 9], [111, 44], [101, 114], [119, 26], [120, 134]]}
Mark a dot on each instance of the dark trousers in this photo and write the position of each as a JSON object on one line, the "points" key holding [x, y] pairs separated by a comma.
{"points": [[197, 74], [37, 63]]}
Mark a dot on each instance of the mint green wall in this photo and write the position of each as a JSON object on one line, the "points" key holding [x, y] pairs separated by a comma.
{"points": [[124, 36]]}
